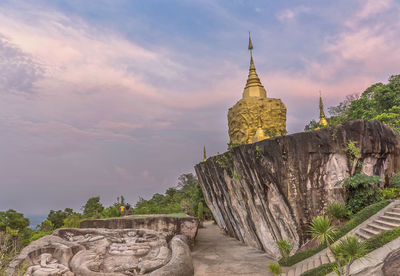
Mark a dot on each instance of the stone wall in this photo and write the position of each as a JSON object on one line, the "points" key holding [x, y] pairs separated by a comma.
{"points": [[187, 226], [262, 192]]}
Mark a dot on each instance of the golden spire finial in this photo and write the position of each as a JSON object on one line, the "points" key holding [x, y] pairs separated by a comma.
{"points": [[204, 154], [253, 88], [322, 120]]}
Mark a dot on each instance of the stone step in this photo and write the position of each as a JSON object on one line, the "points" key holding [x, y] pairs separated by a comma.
{"points": [[379, 227], [369, 231], [290, 273], [310, 264], [363, 236], [391, 219], [330, 257], [317, 262], [303, 268], [393, 214], [385, 223], [396, 209], [298, 270], [324, 259]]}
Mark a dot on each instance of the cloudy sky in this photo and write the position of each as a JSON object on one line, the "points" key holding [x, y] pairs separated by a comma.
{"points": [[103, 98]]}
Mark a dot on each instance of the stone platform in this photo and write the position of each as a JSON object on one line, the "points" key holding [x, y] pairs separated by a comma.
{"points": [[186, 226], [100, 252]]}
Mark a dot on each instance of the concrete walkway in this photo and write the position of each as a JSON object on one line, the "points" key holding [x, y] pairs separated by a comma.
{"points": [[216, 254]]}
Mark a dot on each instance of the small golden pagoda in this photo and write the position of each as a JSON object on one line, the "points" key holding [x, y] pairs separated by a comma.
{"points": [[204, 154], [255, 116], [322, 121]]}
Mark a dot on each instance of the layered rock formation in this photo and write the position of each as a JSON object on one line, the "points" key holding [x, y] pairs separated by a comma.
{"points": [[91, 252], [262, 192]]}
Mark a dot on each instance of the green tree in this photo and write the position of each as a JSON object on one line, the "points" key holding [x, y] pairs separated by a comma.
{"points": [[14, 220], [93, 208], [379, 102], [347, 250], [57, 217], [321, 229], [285, 247]]}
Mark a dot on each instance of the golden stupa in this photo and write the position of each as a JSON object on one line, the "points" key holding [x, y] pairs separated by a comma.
{"points": [[255, 117], [322, 121]]}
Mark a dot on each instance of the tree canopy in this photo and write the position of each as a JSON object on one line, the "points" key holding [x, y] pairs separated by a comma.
{"points": [[379, 102]]}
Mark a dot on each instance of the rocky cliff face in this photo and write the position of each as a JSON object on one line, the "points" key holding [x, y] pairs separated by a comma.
{"points": [[262, 192]]}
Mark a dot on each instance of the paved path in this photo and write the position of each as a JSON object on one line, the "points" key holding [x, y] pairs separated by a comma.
{"points": [[216, 254]]}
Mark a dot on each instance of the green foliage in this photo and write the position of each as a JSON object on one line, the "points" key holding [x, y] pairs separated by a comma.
{"points": [[223, 161], [320, 270], [258, 152], [200, 211], [350, 248], [13, 219], [347, 250], [362, 190], [370, 245], [355, 220], [395, 180], [57, 217], [312, 125], [391, 193], [111, 211], [93, 208], [352, 150], [285, 247], [73, 221], [236, 176], [185, 198], [337, 210], [233, 145], [379, 102], [275, 268], [321, 229]]}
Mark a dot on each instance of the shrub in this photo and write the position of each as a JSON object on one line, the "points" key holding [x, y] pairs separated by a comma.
{"points": [[200, 211], [395, 180], [362, 191], [275, 268], [355, 220], [337, 210], [320, 270], [391, 193], [285, 247]]}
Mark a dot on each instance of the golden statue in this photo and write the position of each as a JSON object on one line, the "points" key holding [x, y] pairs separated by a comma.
{"points": [[255, 116], [204, 154], [322, 121], [260, 134]]}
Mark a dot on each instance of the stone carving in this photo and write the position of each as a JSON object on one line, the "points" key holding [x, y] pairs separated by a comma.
{"points": [[99, 252], [272, 189], [244, 116], [255, 111], [171, 226]]}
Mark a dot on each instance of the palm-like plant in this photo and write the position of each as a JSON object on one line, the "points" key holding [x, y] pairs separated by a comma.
{"points": [[320, 228], [275, 268], [349, 249], [285, 247]]}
